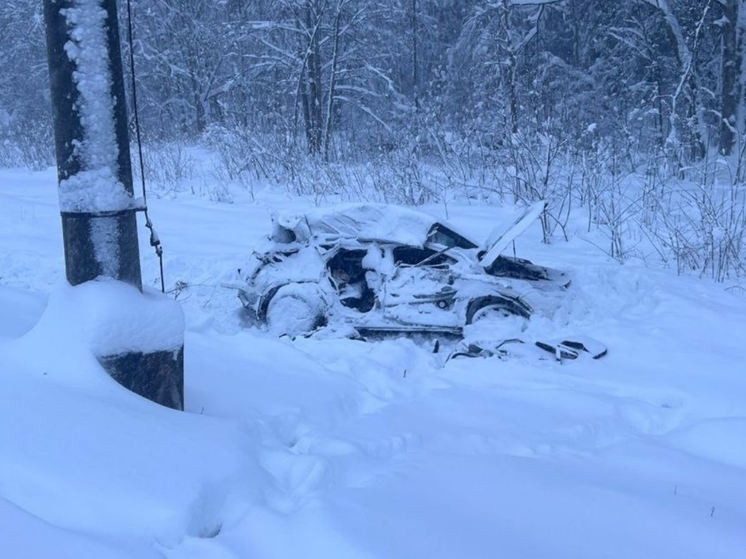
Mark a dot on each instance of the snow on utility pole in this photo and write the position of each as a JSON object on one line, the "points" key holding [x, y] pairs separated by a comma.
{"points": [[97, 202]]}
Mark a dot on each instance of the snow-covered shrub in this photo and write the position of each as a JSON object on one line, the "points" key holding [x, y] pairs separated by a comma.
{"points": [[702, 226], [246, 157], [169, 167], [22, 145]]}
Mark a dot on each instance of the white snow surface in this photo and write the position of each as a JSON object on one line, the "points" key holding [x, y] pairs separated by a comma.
{"points": [[371, 221], [107, 317], [327, 447], [367, 221]]}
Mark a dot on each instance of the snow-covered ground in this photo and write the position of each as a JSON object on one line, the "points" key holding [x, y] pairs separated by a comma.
{"points": [[336, 448]]}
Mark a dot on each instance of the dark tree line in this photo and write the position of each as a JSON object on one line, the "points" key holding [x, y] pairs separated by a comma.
{"points": [[342, 79]]}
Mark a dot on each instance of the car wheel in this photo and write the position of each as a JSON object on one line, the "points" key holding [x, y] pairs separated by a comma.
{"points": [[295, 309], [494, 311], [496, 318]]}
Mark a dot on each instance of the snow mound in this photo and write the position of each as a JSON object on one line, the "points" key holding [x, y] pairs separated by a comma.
{"points": [[109, 317]]}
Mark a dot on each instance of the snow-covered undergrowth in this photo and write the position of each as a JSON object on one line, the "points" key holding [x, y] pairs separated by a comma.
{"points": [[330, 447], [691, 219]]}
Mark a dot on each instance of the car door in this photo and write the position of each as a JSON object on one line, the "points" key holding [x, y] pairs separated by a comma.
{"points": [[420, 291]]}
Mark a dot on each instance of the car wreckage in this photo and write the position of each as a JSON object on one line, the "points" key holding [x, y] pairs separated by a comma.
{"points": [[376, 267]]}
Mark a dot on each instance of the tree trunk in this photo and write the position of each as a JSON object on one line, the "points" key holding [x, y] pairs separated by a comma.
{"points": [[509, 78], [415, 64], [313, 75], [730, 68], [332, 83]]}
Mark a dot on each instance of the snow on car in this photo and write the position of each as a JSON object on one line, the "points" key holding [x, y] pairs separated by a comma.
{"points": [[379, 267]]}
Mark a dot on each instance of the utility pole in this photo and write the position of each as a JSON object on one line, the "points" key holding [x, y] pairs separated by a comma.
{"points": [[87, 203], [94, 173]]}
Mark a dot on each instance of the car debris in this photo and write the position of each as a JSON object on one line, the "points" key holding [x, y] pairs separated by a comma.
{"points": [[572, 348], [378, 267], [567, 348]]}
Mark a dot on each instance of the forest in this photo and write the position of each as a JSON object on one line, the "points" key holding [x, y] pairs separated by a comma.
{"points": [[631, 112]]}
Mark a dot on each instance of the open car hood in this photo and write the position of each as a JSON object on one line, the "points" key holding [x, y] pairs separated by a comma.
{"points": [[501, 236]]}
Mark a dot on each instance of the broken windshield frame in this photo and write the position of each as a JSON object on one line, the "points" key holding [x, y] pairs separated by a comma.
{"points": [[433, 256], [441, 235]]}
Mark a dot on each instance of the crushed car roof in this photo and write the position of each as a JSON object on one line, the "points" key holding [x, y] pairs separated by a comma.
{"points": [[366, 222]]}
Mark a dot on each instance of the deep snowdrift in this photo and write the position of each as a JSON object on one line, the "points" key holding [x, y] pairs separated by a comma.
{"points": [[329, 447]]}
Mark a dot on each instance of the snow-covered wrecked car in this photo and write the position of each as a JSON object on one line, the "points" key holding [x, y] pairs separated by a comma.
{"points": [[388, 268]]}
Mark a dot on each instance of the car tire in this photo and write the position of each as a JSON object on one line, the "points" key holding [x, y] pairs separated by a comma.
{"points": [[495, 317], [494, 311], [480, 308], [295, 309]]}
